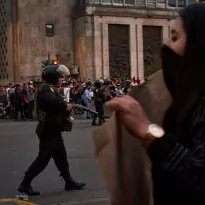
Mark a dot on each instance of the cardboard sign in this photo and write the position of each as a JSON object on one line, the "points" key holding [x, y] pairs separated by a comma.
{"points": [[124, 163]]}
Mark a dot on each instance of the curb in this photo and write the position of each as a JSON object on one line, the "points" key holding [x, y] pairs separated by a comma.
{"points": [[12, 201], [101, 201]]}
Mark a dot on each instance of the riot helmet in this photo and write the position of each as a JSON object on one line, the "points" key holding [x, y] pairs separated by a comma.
{"points": [[52, 73], [107, 81], [97, 83], [102, 81], [88, 83]]}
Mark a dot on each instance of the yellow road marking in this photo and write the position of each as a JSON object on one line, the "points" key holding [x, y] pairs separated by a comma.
{"points": [[20, 202]]}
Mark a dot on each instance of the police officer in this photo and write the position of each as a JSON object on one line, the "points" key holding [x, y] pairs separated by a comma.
{"points": [[126, 89], [98, 102], [106, 89], [52, 113]]}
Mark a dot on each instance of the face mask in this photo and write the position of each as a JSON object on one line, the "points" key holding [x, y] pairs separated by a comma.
{"points": [[171, 63]]}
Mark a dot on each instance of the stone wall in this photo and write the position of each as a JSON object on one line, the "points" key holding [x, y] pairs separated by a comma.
{"points": [[91, 36], [6, 63], [136, 50], [152, 49], [34, 45], [83, 39], [119, 51], [131, 11], [93, 40]]}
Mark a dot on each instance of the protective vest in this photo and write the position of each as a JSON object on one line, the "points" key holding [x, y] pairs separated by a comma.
{"points": [[63, 121], [98, 95]]}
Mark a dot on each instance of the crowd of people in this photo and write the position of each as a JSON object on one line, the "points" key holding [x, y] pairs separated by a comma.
{"points": [[19, 98]]}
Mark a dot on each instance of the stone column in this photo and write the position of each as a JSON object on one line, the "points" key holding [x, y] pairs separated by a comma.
{"points": [[10, 54], [133, 50], [85, 46], [98, 53], [90, 49], [15, 38], [165, 33], [101, 50], [105, 56], [79, 44], [140, 55]]}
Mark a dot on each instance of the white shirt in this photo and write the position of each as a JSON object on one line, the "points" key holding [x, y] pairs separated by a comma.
{"points": [[91, 94], [67, 94], [7, 92]]}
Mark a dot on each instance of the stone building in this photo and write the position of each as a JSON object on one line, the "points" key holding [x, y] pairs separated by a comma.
{"points": [[98, 38]]}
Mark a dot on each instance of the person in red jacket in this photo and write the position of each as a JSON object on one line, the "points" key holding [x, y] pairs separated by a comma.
{"points": [[138, 81]]}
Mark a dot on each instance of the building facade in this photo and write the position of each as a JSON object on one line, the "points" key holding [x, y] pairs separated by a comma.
{"points": [[96, 38]]}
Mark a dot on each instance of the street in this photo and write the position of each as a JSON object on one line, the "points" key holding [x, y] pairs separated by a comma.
{"points": [[19, 147]]}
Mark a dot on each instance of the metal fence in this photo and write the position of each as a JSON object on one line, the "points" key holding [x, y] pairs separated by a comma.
{"points": [[168, 4]]}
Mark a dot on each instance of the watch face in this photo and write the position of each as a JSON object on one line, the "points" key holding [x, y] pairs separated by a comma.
{"points": [[156, 131]]}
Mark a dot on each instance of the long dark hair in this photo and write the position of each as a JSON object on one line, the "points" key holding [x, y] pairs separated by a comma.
{"points": [[191, 76]]}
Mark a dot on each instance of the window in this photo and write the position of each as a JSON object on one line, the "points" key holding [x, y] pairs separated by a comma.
{"points": [[131, 2], [94, 1], [179, 3], [106, 1], [140, 2], [82, 2], [118, 1], [49, 30]]}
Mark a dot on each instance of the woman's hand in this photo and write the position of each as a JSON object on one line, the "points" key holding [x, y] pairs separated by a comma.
{"points": [[131, 114]]}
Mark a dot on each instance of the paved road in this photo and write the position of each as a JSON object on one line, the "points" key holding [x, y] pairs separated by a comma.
{"points": [[18, 148]]}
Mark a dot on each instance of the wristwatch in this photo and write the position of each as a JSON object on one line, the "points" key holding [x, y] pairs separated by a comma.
{"points": [[154, 131]]}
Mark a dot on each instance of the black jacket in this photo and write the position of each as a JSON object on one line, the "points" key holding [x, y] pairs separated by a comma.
{"points": [[179, 163], [52, 104], [49, 102], [18, 97]]}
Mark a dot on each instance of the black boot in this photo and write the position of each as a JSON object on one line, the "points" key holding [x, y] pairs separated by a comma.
{"points": [[23, 118], [25, 187], [93, 122], [71, 184]]}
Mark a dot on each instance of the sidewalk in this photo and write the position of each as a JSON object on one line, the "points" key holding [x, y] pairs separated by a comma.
{"points": [[103, 201]]}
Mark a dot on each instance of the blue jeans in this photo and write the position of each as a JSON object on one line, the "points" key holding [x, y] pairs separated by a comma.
{"points": [[85, 103]]}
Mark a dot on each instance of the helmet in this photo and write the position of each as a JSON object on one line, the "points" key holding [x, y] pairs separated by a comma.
{"points": [[107, 81], [52, 73], [97, 83], [88, 83]]}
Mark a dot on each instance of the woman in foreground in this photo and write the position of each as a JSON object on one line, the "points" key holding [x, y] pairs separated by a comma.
{"points": [[177, 150]]}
